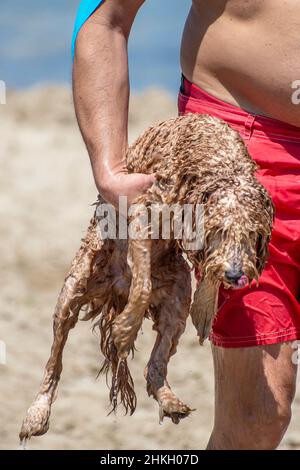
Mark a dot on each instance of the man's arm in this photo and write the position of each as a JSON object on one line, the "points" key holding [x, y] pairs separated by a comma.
{"points": [[101, 95]]}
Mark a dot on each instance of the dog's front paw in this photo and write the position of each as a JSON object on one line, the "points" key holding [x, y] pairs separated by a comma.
{"points": [[36, 421]]}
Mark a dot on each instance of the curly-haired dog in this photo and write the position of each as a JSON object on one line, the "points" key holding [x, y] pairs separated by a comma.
{"points": [[197, 160]]}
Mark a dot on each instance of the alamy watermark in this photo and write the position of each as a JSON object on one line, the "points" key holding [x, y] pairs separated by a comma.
{"points": [[2, 353], [2, 92], [296, 94], [154, 221]]}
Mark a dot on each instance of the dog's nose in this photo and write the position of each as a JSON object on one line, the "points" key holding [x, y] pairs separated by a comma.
{"points": [[233, 275]]}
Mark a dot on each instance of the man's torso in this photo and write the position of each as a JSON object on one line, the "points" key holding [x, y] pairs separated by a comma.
{"points": [[246, 52]]}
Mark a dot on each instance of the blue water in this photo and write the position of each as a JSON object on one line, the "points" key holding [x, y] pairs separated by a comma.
{"points": [[35, 41]]}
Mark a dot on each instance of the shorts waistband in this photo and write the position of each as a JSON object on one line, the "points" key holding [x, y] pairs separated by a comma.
{"points": [[248, 124]]}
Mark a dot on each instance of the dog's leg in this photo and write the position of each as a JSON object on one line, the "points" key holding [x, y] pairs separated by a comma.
{"points": [[174, 298], [204, 308], [127, 324], [76, 292]]}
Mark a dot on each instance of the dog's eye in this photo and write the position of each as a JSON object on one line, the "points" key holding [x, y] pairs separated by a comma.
{"points": [[161, 184]]}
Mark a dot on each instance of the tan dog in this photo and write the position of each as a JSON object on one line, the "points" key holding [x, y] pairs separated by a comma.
{"points": [[198, 160]]}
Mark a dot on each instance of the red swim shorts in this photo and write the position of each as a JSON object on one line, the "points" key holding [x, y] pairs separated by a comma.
{"points": [[270, 312]]}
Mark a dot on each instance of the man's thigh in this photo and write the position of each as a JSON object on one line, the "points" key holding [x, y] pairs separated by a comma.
{"points": [[254, 389]]}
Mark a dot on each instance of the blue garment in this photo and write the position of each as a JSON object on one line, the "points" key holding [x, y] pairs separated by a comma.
{"points": [[85, 10]]}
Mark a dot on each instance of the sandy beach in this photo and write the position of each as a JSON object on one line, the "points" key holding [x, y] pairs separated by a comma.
{"points": [[46, 195]]}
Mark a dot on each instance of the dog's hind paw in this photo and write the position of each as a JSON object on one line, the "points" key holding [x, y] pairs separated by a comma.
{"points": [[36, 421], [170, 406]]}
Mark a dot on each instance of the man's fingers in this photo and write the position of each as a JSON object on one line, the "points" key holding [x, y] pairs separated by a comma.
{"points": [[129, 185], [148, 180], [153, 177]]}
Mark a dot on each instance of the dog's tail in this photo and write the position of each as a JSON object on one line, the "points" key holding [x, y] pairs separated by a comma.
{"points": [[118, 377]]}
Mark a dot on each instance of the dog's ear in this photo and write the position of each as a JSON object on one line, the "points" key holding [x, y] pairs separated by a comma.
{"points": [[265, 229], [262, 251], [204, 308]]}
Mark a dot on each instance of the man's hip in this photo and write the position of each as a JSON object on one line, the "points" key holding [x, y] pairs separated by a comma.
{"points": [[270, 312]]}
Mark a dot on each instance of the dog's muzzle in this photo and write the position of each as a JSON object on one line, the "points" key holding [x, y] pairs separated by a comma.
{"points": [[236, 278]]}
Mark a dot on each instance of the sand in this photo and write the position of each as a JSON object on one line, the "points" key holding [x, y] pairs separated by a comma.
{"points": [[46, 195]]}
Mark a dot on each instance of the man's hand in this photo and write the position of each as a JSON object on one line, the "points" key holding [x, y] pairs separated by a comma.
{"points": [[123, 184]]}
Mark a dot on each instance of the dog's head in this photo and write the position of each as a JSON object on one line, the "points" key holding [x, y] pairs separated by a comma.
{"points": [[238, 223]]}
